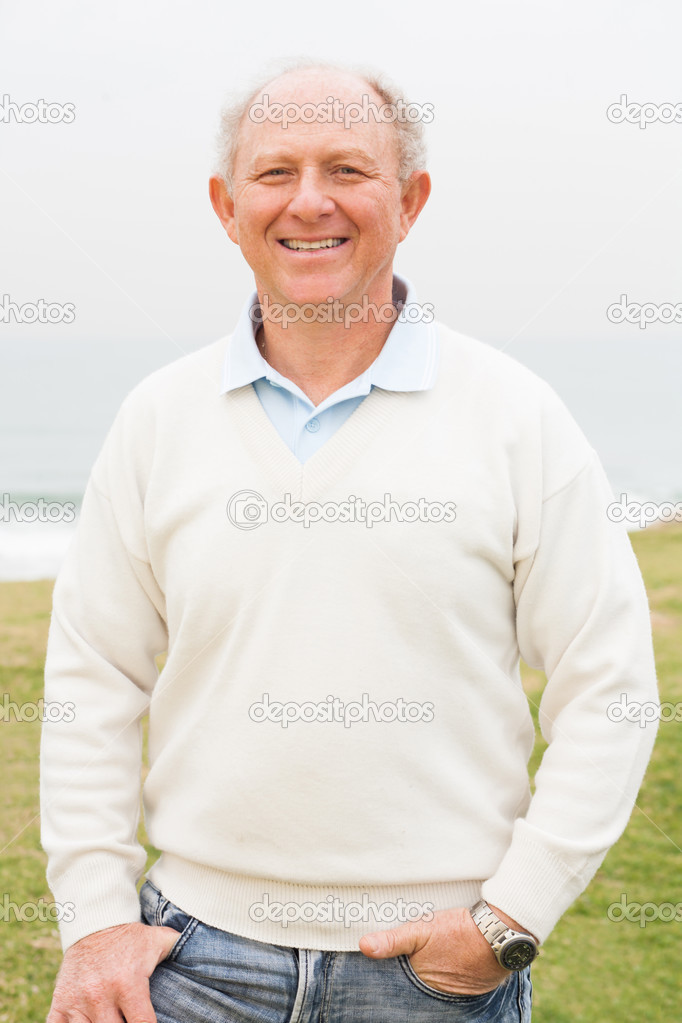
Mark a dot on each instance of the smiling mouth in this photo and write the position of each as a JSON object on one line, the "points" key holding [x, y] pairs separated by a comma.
{"points": [[302, 246]]}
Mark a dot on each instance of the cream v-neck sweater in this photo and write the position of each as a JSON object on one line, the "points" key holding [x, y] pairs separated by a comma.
{"points": [[185, 544]]}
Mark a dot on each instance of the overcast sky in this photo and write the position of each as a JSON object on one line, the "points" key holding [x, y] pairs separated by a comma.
{"points": [[543, 211]]}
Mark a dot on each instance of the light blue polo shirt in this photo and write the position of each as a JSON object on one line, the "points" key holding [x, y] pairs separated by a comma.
{"points": [[408, 361]]}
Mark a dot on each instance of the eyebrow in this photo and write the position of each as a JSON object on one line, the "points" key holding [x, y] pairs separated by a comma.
{"points": [[352, 153]]}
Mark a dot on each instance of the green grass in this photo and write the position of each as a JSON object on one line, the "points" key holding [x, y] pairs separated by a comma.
{"points": [[592, 970]]}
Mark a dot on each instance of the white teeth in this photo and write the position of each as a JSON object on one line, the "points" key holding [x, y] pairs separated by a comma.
{"points": [[324, 243]]}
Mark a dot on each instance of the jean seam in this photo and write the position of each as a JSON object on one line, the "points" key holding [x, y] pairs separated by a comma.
{"points": [[160, 910], [301, 985], [523, 980], [185, 935], [327, 985]]}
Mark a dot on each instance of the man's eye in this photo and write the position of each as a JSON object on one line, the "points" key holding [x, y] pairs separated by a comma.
{"points": [[275, 172], [349, 170]]}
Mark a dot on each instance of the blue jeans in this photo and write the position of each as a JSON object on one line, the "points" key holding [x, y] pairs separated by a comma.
{"points": [[213, 976]]}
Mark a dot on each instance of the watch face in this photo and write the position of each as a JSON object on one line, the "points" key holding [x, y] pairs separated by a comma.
{"points": [[517, 954]]}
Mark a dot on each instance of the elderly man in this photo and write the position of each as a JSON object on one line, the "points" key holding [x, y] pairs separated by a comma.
{"points": [[345, 523]]}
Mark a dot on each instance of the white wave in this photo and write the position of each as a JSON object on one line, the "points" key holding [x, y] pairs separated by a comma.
{"points": [[33, 550]]}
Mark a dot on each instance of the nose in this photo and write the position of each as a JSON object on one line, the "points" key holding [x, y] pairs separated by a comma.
{"points": [[311, 200]]}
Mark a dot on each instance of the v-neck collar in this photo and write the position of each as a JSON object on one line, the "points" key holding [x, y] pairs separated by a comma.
{"points": [[310, 480]]}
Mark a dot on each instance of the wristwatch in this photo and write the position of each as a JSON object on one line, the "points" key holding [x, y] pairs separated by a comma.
{"points": [[513, 949]]}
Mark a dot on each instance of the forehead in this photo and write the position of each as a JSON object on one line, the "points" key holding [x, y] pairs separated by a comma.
{"points": [[313, 112], [315, 85]]}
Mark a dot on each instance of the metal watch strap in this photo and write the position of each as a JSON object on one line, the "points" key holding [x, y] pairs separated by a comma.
{"points": [[488, 923]]}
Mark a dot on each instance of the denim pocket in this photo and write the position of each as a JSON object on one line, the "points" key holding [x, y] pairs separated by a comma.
{"points": [[159, 912], [480, 1002]]}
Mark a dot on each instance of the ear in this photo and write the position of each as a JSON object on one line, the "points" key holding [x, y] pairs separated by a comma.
{"points": [[223, 205], [414, 195]]}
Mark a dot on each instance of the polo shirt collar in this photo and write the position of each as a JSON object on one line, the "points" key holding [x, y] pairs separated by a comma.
{"points": [[408, 360]]}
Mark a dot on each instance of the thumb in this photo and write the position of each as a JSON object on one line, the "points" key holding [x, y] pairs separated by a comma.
{"points": [[404, 940], [166, 938]]}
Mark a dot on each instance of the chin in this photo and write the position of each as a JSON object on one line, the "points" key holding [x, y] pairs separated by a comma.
{"points": [[316, 294]]}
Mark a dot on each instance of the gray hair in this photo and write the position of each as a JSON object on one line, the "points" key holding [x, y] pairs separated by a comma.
{"points": [[411, 145]]}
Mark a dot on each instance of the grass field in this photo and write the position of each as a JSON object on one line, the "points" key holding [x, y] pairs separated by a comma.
{"points": [[592, 970]]}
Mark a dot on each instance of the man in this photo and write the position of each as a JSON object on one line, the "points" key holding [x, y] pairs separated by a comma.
{"points": [[344, 525]]}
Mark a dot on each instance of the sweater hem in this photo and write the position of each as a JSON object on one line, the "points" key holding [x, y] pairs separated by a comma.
{"points": [[325, 917]]}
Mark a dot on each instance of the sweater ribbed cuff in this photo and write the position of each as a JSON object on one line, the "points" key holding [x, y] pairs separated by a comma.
{"points": [[534, 886], [99, 892]]}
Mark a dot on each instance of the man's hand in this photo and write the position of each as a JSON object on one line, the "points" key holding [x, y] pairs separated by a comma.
{"points": [[448, 953], [106, 975]]}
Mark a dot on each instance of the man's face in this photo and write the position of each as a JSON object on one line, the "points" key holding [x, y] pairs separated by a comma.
{"points": [[317, 182]]}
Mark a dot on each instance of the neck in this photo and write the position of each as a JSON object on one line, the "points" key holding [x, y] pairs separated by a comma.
{"points": [[320, 357]]}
